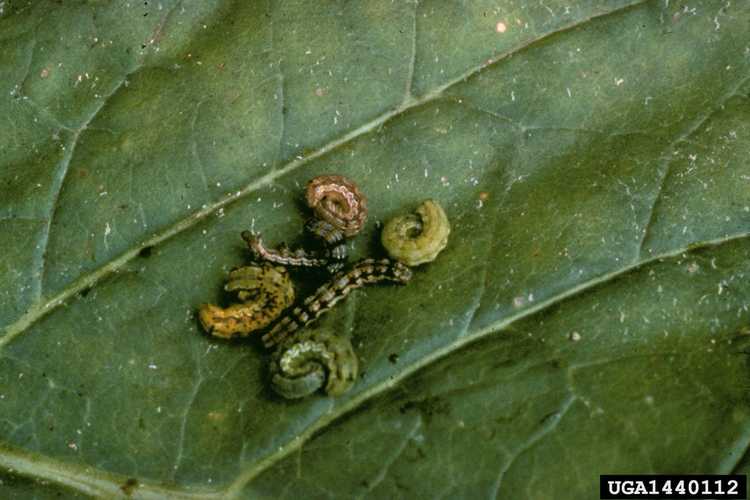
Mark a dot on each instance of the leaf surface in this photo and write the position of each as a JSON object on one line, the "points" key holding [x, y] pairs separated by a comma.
{"points": [[589, 315]]}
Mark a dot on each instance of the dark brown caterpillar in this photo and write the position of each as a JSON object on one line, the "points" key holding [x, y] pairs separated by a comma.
{"points": [[264, 291], [362, 273], [311, 360], [336, 250], [324, 231], [338, 201]]}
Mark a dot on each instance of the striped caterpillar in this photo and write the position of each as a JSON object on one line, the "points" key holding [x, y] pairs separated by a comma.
{"points": [[364, 272], [332, 256], [338, 201]]}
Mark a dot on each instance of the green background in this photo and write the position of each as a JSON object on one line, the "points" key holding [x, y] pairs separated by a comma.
{"points": [[590, 314]]}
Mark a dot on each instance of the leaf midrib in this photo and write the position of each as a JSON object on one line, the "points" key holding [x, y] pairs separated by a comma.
{"points": [[91, 481]]}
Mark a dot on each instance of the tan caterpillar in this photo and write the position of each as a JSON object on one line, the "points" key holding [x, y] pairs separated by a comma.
{"points": [[264, 292]]}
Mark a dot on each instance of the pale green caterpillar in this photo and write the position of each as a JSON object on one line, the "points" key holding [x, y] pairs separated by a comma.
{"points": [[418, 237]]}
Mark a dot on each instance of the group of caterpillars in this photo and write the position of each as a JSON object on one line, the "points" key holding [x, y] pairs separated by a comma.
{"points": [[307, 358]]}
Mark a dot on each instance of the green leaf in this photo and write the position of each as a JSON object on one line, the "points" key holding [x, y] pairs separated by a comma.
{"points": [[590, 314]]}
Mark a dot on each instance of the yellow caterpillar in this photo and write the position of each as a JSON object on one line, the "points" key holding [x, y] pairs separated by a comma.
{"points": [[264, 292]]}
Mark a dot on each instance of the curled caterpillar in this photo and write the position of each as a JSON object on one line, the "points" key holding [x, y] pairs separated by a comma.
{"points": [[264, 292], [362, 273], [311, 360], [338, 201], [418, 237]]}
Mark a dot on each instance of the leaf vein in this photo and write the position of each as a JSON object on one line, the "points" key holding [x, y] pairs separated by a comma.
{"points": [[58, 181], [671, 153], [545, 429], [413, 57], [387, 464], [87, 480]]}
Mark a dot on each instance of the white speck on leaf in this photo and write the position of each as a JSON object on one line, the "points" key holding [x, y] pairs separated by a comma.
{"points": [[107, 232]]}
